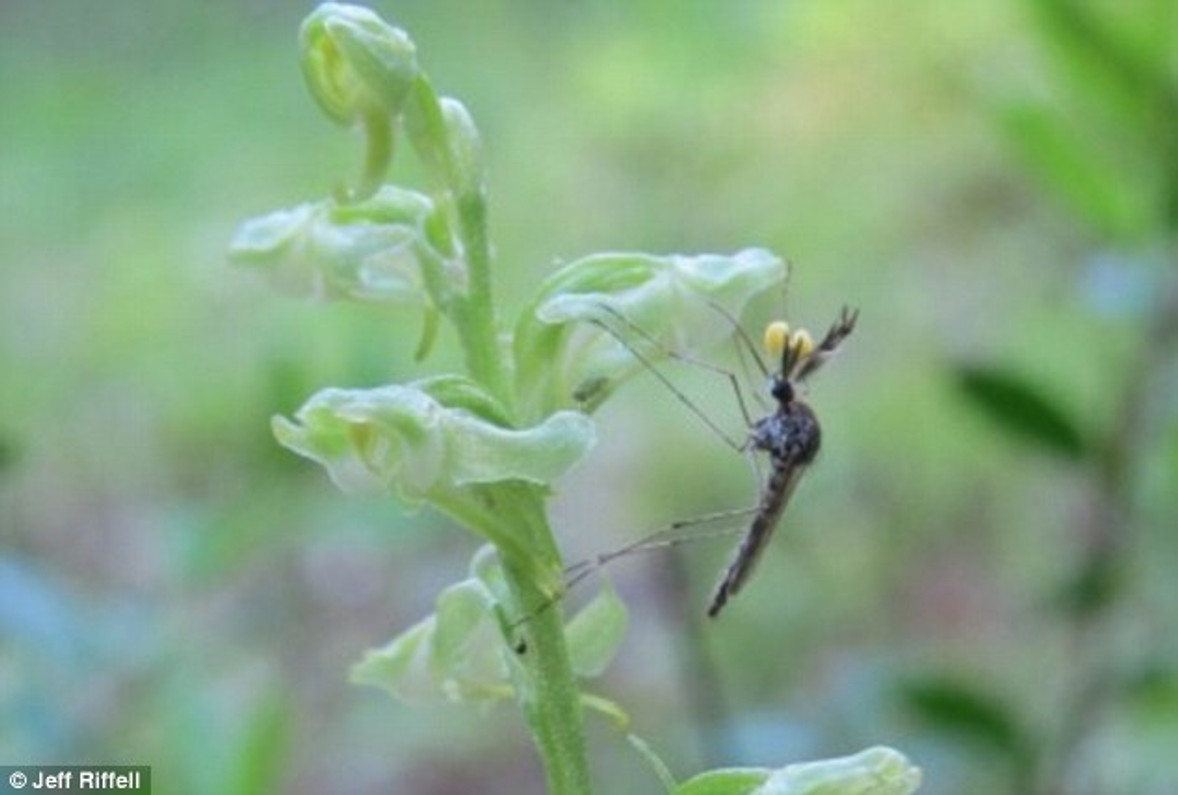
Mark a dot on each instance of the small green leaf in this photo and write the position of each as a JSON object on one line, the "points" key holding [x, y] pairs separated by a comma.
{"points": [[1021, 409], [728, 781], [953, 708], [596, 632]]}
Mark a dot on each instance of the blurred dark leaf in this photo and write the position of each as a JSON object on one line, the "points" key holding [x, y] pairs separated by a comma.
{"points": [[1093, 587], [1153, 692], [954, 708], [1118, 59], [1113, 64], [1020, 408], [262, 755], [1083, 176], [8, 453]]}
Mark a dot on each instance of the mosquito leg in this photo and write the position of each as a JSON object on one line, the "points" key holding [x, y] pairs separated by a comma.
{"points": [[682, 398], [666, 538], [749, 345], [519, 642], [670, 353], [672, 535], [743, 358], [755, 465], [695, 361]]}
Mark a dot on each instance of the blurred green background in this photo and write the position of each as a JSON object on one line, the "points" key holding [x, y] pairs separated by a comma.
{"points": [[979, 572]]}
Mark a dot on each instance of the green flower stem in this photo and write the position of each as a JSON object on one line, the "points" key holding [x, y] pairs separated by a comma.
{"points": [[547, 688], [549, 694], [427, 130], [473, 314], [476, 517], [485, 359], [378, 155]]}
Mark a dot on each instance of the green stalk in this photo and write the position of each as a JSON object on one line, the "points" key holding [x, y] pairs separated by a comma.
{"points": [[480, 338], [474, 313], [549, 694], [378, 154]]}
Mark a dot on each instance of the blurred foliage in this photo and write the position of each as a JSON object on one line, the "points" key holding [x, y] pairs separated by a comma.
{"points": [[1016, 405], [957, 710], [994, 184]]}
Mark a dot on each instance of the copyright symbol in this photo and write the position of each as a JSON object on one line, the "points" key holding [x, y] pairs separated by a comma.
{"points": [[17, 780]]}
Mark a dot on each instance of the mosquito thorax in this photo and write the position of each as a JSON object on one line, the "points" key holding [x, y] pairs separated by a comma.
{"points": [[790, 435]]}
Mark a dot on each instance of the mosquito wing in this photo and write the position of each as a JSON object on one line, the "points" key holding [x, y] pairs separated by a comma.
{"points": [[778, 491], [841, 329]]}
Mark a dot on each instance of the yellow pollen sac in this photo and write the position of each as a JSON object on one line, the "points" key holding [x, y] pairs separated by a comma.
{"points": [[801, 343], [776, 338]]}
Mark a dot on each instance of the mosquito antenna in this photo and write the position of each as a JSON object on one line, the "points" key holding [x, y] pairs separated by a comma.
{"points": [[686, 401]]}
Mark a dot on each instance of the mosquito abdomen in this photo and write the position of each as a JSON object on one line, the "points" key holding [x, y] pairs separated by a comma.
{"points": [[777, 491]]}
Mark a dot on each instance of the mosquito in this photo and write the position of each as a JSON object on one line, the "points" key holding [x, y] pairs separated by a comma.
{"points": [[790, 436]]}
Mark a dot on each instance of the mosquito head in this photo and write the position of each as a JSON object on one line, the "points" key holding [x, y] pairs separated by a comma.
{"points": [[781, 389], [786, 347]]}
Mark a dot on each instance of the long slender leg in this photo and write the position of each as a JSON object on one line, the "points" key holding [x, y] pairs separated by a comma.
{"points": [[670, 536], [743, 357], [682, 398], [671, 353], [750, 346], [665, 538]]}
